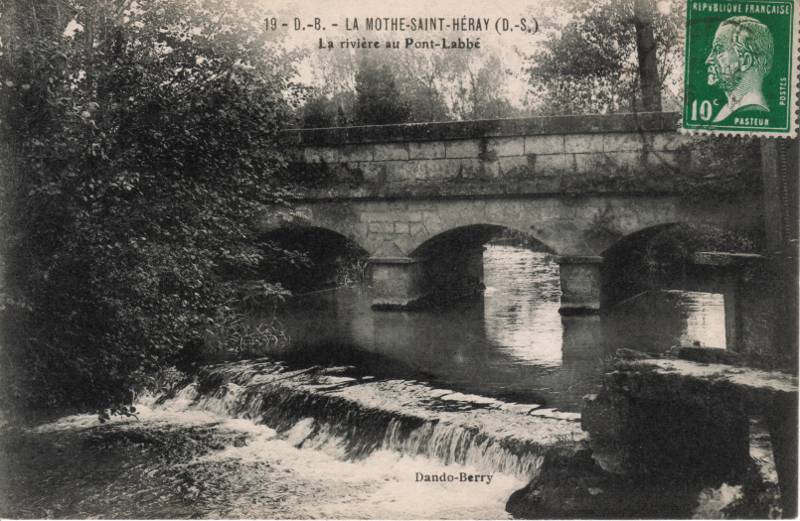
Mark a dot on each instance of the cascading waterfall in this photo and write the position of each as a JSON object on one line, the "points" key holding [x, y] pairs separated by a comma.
{"points": [[455, 444], [352, 418]]}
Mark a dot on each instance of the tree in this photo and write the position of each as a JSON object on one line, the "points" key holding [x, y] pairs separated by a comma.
{"points": [[322, 111], [646, 52], [612, 56], [318, 112], [331, 100], [479, 90], [378, 100], [422, 81], [423, 85], [142, 144]]}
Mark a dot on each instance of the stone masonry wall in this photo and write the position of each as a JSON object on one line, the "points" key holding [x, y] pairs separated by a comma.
{"points": [[623, 153], [584, 225], [576, 183]]}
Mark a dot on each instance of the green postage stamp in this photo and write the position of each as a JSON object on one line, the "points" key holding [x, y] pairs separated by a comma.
{"points": [[740, 72]]}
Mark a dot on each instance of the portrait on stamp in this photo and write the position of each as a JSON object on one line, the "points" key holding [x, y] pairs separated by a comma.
{"points": [[740, 58], [739, 64]]}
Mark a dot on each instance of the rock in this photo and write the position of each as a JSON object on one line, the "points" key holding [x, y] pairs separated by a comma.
{"points": [[667, 439], [605, 415], [632, 354], [755, 390], [647, 423], [571, 485], [688, 421]]}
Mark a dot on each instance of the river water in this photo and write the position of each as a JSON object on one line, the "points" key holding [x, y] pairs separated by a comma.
{"points": [[512, 344], [357, 419]]}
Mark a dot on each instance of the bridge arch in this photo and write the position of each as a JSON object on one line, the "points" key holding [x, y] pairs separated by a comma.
{"points": [[660, 257], [669, 257], [469, 237], [447, 265], [452, 260], [317, 257]]}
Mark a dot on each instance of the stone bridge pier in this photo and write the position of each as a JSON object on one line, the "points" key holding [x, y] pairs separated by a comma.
{"points": [[398, 282], [580, 283], [408, 282], [411, 282]]}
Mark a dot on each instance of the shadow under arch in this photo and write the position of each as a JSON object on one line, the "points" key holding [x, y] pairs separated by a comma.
{"points": [[473, 236], [453, 259], [660, 258], [315, 258]]}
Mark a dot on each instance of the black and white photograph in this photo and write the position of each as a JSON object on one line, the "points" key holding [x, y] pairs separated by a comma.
{"points": [[430, 259]]}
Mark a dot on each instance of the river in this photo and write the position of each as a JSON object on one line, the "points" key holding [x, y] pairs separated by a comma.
{"points": [[361, 414], [512, 344]]}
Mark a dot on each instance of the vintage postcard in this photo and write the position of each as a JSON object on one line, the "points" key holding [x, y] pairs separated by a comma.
{"points": [[431, 259]]}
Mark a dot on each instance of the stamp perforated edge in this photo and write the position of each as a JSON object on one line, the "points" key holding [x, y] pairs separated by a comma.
{"points": [[795, 86]]}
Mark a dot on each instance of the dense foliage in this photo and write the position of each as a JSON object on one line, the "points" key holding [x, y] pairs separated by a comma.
{"points": [[377, 97], [590, 57], [591, 66], [141, 143], [408, 86], [669, 251]]}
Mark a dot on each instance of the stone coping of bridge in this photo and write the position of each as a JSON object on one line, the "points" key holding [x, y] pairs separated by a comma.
{"points": [[487, 128]]}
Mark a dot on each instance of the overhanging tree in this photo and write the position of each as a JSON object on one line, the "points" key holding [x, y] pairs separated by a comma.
{"points": [[142, 138]]}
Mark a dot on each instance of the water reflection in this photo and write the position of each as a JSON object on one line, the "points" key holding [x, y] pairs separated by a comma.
{"points": [[654, 321], [512, 343], [521, 304]]}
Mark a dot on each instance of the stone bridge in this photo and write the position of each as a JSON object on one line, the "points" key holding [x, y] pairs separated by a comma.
{"points": [[421, 199]]}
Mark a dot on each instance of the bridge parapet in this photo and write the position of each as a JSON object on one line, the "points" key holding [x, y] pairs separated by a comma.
{"points": [[618, 153], [489, 128]]}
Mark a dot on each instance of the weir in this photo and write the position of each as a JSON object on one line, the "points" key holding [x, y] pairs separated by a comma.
{"points": [[362, 415], [570, 472]]}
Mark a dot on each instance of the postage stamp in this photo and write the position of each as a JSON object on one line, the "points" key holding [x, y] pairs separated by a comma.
{"points": [[740, 72]]}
